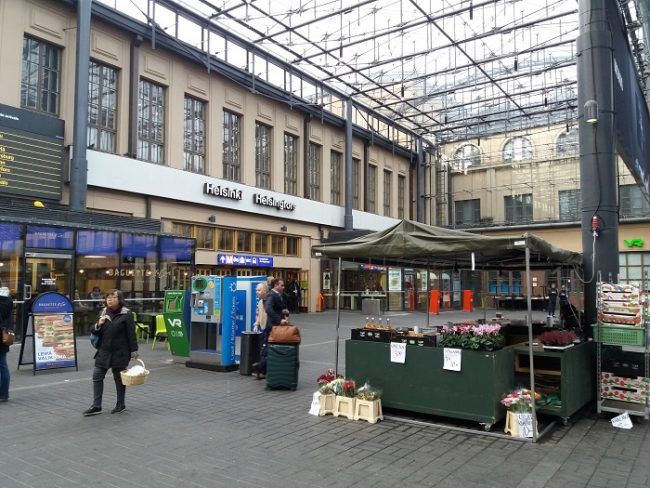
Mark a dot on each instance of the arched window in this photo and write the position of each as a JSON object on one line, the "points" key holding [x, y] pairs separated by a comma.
{"points": [[567, 143], [518, 149], [467, 155]]}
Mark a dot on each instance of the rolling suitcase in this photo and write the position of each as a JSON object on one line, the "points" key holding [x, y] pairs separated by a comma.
{"points": [[282, 367]]}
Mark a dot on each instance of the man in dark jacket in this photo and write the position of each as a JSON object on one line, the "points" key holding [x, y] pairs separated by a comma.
{"points": [[276, 310], [6, 307]]}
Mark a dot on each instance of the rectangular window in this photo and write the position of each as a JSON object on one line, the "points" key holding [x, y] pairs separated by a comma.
{"points": [[519, 208], [290, 164], [292, 246], [184, 230], [194, 135], [277, 245], [244, 241], [335, 178], [313, 172], [388, 190], [40, 84], [262, 156], [570, 205], [468, 212], [356, 178], [634, 267], [204, 237], [231, 146], [401, 189], [632, 202], [102, 107], [371, 197], [226, 239], [261, 243], [151, 122]]}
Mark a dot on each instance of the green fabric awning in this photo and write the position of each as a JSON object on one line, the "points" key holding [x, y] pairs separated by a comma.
{"points": [[416, 243]]}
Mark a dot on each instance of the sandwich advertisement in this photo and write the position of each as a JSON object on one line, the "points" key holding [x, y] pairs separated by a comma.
{"points": [[52, 324]]}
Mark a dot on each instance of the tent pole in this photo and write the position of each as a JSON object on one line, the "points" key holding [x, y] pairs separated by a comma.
{"points": [[529, 323], [338, 319], [428, 292]]}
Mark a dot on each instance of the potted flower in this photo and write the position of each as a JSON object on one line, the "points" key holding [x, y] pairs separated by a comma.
{"points": [[557, 339], [345, 398], [484, 337], [368, 404], [519, 420], [327, 396]]}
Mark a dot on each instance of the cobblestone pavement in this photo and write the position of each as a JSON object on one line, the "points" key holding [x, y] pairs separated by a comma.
{"points": [[193, 428]]}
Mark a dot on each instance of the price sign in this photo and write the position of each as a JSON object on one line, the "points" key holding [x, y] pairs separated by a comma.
{"points": [[525, 421], [452, 359], [397, 352], [315, 404], [622, 421]]}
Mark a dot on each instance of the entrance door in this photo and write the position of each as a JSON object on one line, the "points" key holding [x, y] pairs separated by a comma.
{"points": [[48, 272]]}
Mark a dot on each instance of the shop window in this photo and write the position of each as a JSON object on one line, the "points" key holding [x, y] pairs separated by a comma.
{"points": [[139, 265], [194, 135], [102, 107], [40, 84], [226, 239], [11, 253], [184, 230], [231, 146], [204, 237], [277, 245], [262, 156], [262, 243], [290, 164], [292, 246], [151, 122], [176, 256], [244, 241]]}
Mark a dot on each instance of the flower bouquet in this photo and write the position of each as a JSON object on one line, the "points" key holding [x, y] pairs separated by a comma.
{"points": [[557, 339], [368, 404], [484, 337], [519, 421], [326, 394], [345, 397], [324, 382]]}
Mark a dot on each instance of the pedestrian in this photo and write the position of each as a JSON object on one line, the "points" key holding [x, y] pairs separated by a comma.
{"points": [[6, 307], [293, 296], [118, 346], [96, 295], [552, 300], [564, 296], [277, 314], [261, 290]]}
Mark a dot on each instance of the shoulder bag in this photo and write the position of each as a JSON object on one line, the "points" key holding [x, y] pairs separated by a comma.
{"points": [[8, 336], [95, 339], [284, 334]]}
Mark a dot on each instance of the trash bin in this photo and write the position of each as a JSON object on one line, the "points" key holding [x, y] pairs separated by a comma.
{"points": [[251, 342]]}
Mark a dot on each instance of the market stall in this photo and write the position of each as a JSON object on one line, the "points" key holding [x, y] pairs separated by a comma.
{"points": [[415, 244]]}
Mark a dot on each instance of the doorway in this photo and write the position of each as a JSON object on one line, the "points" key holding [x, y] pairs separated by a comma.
{"points": [[47, 272]]}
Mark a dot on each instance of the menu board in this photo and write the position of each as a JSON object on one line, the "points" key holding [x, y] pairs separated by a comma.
{"points": [[31, 154], [54, 341]]}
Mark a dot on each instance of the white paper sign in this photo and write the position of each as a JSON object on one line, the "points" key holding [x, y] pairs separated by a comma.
{"points": [[452, 359], [525, 421], [622, 421], [315, 404], [397, 352]]}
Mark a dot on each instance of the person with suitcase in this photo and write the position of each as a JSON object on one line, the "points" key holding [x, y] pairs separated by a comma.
{"points": [[277, 313]]}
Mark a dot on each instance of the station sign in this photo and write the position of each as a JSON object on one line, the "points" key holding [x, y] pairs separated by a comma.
{"points": [[244, 260]]}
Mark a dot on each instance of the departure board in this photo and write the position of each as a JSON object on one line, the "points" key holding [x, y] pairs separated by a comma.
{"points": [[31, 154]]}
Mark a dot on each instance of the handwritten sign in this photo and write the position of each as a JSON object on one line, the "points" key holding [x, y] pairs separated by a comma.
{"points": [[622, 421], [397, 352], [525, 421], [315, 404], [452, 359]]}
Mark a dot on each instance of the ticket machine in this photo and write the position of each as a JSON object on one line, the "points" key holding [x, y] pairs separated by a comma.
{"points": [[211, 347]]}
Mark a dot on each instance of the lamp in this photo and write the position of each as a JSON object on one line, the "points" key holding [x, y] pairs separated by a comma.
{"points": [[212, 218], [283, 228], [591, 111]]}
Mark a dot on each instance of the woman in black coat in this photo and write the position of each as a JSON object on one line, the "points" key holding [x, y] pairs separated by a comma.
{"points": [[6, 306], [118, 346]]}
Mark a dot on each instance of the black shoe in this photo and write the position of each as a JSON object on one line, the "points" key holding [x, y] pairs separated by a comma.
{"points": [[93, 411], [255, 367], [119, 409]]}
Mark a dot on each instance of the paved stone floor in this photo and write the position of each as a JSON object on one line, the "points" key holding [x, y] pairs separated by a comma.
{"points": [[193, 428]]}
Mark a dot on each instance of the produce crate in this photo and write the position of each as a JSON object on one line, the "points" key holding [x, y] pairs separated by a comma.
{"points": [[619, 336]]}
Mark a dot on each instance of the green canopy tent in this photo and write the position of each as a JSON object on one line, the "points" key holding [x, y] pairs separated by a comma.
{"points": [[414, 243]]}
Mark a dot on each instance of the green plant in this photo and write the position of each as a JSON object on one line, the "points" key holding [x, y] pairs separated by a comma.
{"points": [[474, 337]]}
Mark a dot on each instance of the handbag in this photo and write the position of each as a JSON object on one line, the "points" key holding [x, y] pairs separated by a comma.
{"points": [[284, 334], [95, 339], [8, 336]]}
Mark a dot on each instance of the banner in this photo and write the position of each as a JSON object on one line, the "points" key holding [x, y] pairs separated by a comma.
{"points": [[54, 345]]}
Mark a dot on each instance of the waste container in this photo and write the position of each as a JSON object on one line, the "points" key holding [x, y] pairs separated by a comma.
{"points": [[251, 342]]}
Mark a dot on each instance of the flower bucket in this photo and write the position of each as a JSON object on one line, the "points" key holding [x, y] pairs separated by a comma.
{"points": [[369, 410], [344, 406], [519, 424], [327, 404]]}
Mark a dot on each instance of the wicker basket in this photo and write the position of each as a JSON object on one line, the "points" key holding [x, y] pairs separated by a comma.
{"points": [[129, 380]]}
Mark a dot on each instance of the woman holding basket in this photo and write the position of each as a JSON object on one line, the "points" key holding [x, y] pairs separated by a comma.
{"points": [[118, 346]]}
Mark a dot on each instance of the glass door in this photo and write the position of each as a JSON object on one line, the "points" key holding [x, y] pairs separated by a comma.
{"points": [[47, 272]]}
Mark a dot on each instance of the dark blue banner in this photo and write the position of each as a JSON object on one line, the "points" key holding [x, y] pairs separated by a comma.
{"points": [[51, 302], [139, 246], [10, 239], [97, 242], [49, 237], [176, 248]]}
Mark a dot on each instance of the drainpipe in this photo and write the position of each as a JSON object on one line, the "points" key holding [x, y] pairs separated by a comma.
{"points": [[348, 221]]}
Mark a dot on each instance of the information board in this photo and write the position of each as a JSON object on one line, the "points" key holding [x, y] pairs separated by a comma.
{"points": [[31, 154]]}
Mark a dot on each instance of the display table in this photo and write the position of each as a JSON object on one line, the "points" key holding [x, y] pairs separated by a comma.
{"points": [[574, 367], [422, 385]]}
